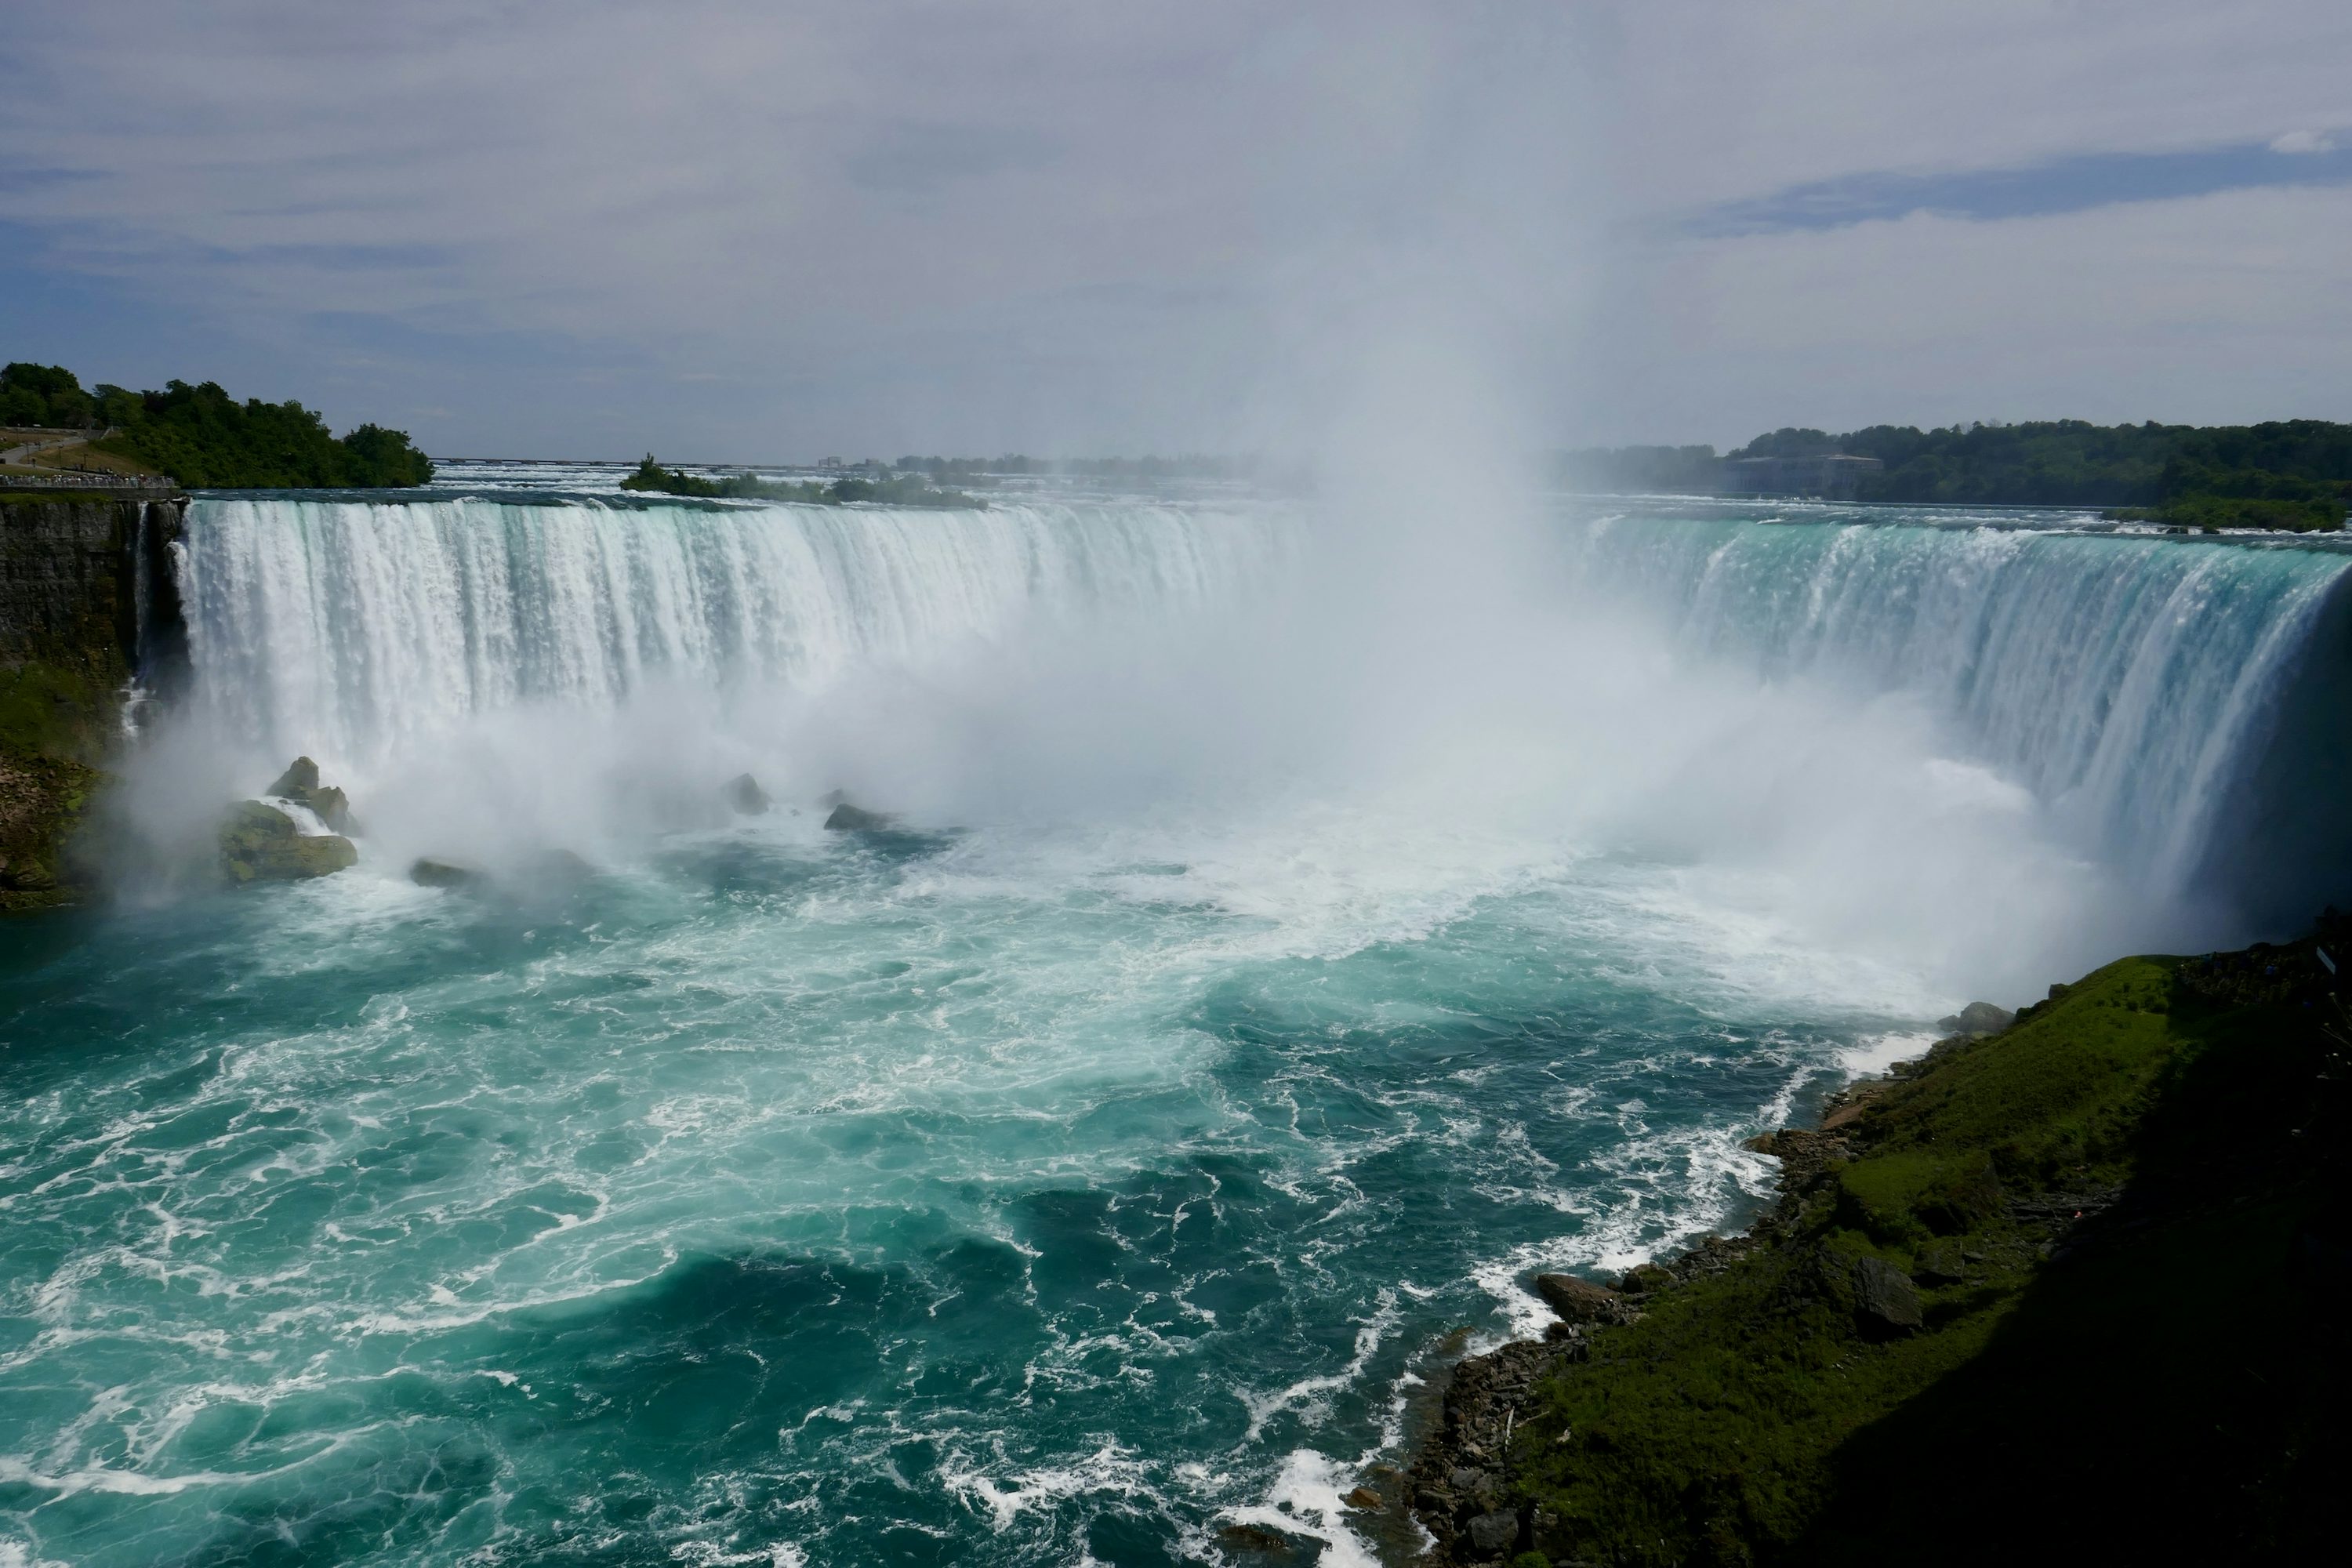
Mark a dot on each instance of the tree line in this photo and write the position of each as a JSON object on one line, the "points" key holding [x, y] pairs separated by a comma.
{"points": [[201, 436], [2285, 473]]}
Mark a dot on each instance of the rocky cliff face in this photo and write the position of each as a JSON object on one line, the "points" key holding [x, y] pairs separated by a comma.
{"points": [[87, 599]]}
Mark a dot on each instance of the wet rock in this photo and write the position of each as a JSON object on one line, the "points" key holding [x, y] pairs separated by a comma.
{"points": [[299, 783], [260, 843], [1256, 1541], [548, 872], [1365, 1499], [1885, 1302], [849, 818], [745, 795], [301, 777], [428, 872], [1577, 1300], [1492, 1534]]}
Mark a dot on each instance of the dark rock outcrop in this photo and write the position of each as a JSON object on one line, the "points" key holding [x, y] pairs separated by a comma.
{"points": [[1577, 1300], [260, 843], [1493, 1533], [745, 795], [549, 872], [299, 783], [849, 818], [1645, 1278], [42, 803], [1977, 1018], [1885, 1302]]}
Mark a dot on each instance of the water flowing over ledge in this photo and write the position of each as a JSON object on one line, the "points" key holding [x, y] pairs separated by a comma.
{"points": [[1029, 1188], [350, 626], [2140, 685], [2141, 688]]}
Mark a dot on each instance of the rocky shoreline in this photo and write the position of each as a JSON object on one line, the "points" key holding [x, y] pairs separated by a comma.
{"points": [[1459, 1480], [1715, 1406]]}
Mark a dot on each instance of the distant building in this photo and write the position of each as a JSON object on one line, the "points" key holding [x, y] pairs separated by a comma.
{"points": [[1827, 476]]}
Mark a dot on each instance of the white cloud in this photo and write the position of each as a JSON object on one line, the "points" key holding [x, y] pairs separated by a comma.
{"points": [[2224, 309], [1059, 225], [2305, 141]]}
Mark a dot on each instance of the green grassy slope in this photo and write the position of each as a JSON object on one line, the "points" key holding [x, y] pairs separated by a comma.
{"points": [[2155, 1374]]}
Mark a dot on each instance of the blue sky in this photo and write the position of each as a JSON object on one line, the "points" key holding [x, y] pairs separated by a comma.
{"points": [[729, 230], [2080, 182]]}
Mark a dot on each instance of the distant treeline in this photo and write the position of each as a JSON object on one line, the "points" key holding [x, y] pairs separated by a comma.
{"points": [[889, 489], [966, 471], [201, 436], [2296, 468]]}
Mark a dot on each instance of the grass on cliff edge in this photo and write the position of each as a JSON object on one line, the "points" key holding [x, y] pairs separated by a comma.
{"points": [[2165, 1388]]}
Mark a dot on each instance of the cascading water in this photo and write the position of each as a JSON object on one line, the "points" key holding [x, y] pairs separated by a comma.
{"points": [[2136, 683], [1019, 1188], [350, 627]]}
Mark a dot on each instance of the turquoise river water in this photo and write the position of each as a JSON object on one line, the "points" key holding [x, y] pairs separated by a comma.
{"points": [[1102, 1156]]}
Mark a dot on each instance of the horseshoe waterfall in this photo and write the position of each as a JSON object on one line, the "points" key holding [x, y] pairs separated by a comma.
{"points": [[1258, 944]]}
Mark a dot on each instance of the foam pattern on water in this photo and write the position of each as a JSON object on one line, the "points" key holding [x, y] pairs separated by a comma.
{"points": [[782, 1200], [966, 1192]]}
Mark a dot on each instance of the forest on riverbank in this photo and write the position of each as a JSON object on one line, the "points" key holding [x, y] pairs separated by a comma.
{"points": [[204, 438], [2294, 473]]}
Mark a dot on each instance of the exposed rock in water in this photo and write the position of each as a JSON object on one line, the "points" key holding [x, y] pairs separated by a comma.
{"points": [[299, 783], [301, 777], [548, 871], [428, 872], [260, 843], [1977, 1018], [744, 794], [1577, 1300], [849, 818]]}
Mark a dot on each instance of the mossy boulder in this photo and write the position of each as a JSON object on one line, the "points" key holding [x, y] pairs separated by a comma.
{"points": [[1645, 1278], [43, 803], [260, 843]]}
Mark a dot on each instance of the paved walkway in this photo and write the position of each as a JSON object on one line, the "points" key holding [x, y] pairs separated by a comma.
{"points": [[54, 443]]}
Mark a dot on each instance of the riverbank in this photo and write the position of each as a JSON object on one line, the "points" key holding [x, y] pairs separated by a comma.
{"points": [[2077, 1286]]}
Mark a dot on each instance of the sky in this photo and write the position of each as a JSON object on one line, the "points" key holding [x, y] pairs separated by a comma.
{"points": [[729, 231]]}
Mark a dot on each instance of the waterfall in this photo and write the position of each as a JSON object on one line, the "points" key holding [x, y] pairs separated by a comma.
{"points": [[350, 627], [2177, 702]]}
